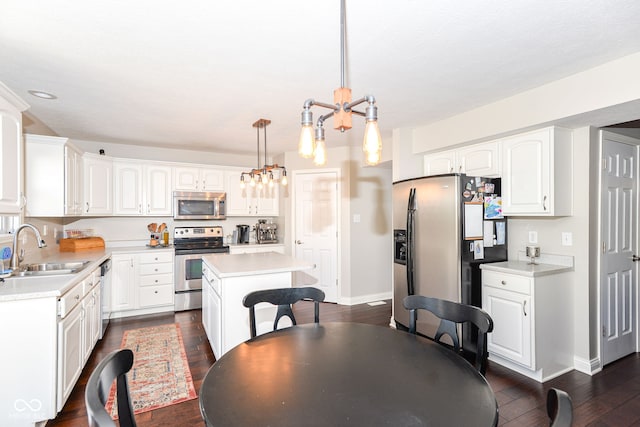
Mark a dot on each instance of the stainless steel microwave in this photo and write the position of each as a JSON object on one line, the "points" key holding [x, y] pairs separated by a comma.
{"points": [[199, 205]]}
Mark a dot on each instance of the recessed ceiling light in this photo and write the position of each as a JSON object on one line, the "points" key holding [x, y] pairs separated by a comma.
{"points": [[43, 95]]}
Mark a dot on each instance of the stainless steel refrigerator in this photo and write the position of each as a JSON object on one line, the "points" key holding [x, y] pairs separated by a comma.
{"points": [[445, 227]]}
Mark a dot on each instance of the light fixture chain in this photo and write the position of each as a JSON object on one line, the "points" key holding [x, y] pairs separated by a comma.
{"points": [[342, 43]]}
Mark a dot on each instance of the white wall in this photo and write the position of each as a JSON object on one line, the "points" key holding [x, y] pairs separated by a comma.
{"points": [[358, 281]]}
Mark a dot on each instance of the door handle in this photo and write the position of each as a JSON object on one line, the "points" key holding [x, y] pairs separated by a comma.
{"points": [[635, 258], [299, 242]]}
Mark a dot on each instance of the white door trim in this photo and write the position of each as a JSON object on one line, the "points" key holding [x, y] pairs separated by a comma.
{"points": [[295, 174]]}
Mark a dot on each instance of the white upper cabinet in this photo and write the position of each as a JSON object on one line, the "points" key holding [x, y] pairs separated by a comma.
{"points": [[127, 189], [198, 179], [477, 160], [538, 173], [158, 184], [480, 159], [11, 107], [250, 201], [142, 189], [98, 185], [53, 177], [440, 163]]}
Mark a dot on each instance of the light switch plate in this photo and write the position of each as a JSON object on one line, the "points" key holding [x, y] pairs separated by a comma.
{"points": [[567, 238], [533, 237]]}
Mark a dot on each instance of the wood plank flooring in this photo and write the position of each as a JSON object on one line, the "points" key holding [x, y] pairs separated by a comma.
{"points": [[610, 398]]}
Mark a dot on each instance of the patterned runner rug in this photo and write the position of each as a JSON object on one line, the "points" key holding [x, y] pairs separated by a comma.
{"points": [[160, 375]]}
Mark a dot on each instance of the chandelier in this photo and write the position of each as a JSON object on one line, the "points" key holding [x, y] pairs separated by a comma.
{"points": [[263, 175], [312, 145]]}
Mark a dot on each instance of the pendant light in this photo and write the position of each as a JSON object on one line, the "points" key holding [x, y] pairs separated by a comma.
{"points": [[263, 175], [311, 145]]}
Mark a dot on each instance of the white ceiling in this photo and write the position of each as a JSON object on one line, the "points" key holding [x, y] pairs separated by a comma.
{"points": [[198, 73]]}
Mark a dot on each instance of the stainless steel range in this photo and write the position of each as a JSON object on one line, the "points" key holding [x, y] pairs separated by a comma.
{"points": [[190, 244]]}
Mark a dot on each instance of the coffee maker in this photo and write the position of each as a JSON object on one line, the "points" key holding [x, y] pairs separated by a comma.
{"points": [[266, 232], [243, 233]]}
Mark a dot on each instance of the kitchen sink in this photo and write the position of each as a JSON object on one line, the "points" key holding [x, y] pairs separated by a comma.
{"points": [[50, 268]]}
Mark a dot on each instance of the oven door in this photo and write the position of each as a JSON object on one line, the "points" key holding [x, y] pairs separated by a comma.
{"points": [[188, 272]]}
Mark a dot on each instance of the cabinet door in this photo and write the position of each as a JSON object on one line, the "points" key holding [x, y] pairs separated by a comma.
{"points": [[70, 357], [10, 160], [72, 181], [98, 186], [127, 189], [480, 159], [123, 287], [158, 185], [512, 321], [440, 163], [238, 199], [268, 200], [215, 325], [526, 174], [211, 179], [186, 178]]}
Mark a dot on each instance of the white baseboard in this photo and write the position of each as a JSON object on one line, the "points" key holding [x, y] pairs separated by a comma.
{"points": [[365, 298], [589, 367]]}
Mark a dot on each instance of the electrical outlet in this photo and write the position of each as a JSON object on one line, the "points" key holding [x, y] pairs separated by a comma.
{"points": [[533, 237], [567, 239]]}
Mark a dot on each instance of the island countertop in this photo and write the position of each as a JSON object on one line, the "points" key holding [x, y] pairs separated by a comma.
{"points": [[233, 265]]}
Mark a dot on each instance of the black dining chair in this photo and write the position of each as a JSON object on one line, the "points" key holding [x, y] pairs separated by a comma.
{"points": [[113, 367], [559, 408], [283, 298], [450, 314]]}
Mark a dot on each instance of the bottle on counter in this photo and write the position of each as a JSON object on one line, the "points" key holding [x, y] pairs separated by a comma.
{"points": [[165, 237]]}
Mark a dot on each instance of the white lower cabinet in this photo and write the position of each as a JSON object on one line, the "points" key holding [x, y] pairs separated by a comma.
{"points": [[142, 282], [225, 318], [70, 353], [47, 341], [532, 322]]}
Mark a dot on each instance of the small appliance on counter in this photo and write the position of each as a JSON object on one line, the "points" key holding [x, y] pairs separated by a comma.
{"points": [[244, 232], [266, 232]]}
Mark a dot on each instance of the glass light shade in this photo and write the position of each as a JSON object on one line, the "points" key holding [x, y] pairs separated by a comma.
{"points": [[252, 182], [284, 180], [320, 157], [265, 178], [242, 185], [305, 146], [372, 145]]}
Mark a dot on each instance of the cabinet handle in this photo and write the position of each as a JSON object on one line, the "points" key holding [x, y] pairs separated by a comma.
{"points": [[87, 206], [544, 203], [77, 297], [504, 282], [155, 292], [156, 280], [140, 208], [524, 307]]}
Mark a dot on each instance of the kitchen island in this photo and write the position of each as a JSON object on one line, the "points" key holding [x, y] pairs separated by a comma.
{"points": [[226, 279]]}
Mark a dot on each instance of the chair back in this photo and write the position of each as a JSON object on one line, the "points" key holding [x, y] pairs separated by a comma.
{"points": [[450, 314], [283, 298], [559, 408], [113, 367]]}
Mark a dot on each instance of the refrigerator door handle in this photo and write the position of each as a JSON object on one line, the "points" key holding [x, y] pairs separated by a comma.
{"points": [[411, 208]]}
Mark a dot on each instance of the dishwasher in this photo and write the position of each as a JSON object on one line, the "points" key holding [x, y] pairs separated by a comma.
{"points": [[105, 295]]}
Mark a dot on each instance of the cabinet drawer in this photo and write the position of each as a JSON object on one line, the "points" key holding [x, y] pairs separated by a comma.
{"points": [[70, 299], [150, 258], [156, 279], [509, 282], [158, 268], [156, 295]]}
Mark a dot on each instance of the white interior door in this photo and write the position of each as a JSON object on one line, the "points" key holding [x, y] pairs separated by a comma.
{"points": [[618, 271], [316, 231]]}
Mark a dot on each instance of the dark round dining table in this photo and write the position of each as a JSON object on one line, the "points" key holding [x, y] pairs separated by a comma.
{"points": [[344, 374]]}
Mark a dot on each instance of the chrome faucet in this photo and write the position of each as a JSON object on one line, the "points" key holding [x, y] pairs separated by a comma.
{"points": [[17, 259]]}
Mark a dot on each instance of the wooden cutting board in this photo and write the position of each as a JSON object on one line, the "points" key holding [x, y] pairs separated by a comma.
{"points": [[82, 244]]}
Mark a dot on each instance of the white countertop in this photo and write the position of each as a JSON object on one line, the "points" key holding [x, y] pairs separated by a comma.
{"points": [[523, 268], [16, 288], [233, 265]]}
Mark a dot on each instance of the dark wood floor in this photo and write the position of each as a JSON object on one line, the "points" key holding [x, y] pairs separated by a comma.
{"points": [[610, 398]]}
